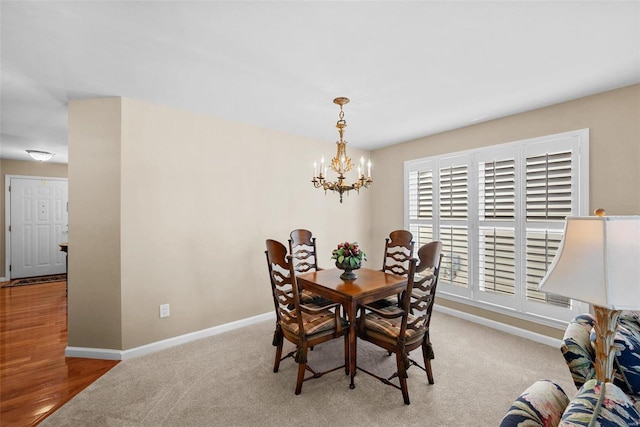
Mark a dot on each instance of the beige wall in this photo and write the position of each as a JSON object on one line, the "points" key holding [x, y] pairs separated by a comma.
{"points": [[168, 206], [23, 168], [613, 119], [94, 299]]}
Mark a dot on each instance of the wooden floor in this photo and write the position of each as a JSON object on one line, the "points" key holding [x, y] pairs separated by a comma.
{"points": [[35, 376]]}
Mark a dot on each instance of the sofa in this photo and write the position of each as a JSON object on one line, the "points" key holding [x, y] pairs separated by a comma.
{"points": [[545, 404], [617, 403]]}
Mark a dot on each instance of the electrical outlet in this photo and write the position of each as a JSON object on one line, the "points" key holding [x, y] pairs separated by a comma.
{"points": [[164, 310]]}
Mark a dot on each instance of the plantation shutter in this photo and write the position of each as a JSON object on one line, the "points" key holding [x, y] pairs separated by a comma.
{"points": [[496, 246], [453, 192], [542, 247], [549, 187], [454, 205], [421, 206], [455, 264], [499, 212], [548, 199], [421, 195], [497, 190], [497, 260]]}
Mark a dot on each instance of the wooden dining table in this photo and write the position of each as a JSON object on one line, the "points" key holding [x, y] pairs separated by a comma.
{"points": [[370, 285]]}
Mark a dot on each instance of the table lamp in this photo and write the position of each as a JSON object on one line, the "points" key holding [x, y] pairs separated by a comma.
{"points": [[598, 262]]}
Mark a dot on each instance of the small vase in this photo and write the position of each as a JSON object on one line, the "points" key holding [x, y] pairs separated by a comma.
{"points": [[348, 270]]}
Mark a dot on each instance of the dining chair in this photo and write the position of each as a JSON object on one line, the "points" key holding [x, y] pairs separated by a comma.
{"points": [[303, 325], [302, 247], [398, 250], [402, 329]]}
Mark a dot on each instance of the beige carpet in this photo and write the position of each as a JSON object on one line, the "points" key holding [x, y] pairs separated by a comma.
{"points": [[227, 380]]}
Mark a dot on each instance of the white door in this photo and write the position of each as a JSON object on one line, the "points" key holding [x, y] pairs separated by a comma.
{"points": [[39, 223]]}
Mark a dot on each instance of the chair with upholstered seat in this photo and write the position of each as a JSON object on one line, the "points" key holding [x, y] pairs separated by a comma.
{"points": [[302, 247], [398, 250], [303, 325], [403, 329]]}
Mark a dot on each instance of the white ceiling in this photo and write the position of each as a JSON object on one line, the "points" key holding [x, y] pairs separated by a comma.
{"points": [[411, 68]]}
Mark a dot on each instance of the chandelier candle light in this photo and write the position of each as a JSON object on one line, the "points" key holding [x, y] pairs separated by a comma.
{"points": [[341, 163]]}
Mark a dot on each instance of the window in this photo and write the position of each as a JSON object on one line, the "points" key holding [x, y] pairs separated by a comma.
{"points": [[499, 212]]}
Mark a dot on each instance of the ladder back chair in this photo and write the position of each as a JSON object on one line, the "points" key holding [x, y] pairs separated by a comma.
{"points": [[402, 329], [398, 250], [304, 326], [302, 247]]}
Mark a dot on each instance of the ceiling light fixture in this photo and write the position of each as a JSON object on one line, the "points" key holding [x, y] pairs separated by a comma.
{"points": [[41, 156], [341, 163]]}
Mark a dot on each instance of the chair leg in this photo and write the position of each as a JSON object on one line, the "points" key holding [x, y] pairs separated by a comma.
{"points": [[427, 367], [402, 378], [346, 354], [278, 341], [302, 366], [427, 355]]}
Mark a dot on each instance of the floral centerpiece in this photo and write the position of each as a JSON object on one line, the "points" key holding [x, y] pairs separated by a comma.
{"points": [[348, 257]]}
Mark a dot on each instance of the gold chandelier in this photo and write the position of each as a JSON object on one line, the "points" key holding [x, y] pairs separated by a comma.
{"points": [[341, 163]]}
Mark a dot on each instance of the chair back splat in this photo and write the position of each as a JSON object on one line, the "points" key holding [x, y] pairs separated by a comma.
{"points": [[305, 326], [302, 247], [403, 328], [398, 250]]}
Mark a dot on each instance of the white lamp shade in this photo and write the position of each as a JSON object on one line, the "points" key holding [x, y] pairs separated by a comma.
{"points": [[598, 262]]}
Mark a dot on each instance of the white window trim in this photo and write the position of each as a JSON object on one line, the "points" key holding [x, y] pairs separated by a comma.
{"points": [[528, 310]]}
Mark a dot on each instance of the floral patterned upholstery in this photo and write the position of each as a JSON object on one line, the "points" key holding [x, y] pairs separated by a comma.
{"points": [[578, 349], [627, 361], [542, 404], [596, 404], [600, 404]]}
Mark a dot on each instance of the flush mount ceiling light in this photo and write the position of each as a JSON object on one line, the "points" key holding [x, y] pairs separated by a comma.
{"points": [[41, 156]]}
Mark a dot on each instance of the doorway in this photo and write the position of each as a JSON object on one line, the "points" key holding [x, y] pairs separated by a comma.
{"points": [[38, 222]]}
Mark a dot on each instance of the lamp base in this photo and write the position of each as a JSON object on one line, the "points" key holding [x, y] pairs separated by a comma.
{"points": [[605, 329]]}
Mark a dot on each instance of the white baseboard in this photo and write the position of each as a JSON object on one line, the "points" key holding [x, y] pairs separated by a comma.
{"points": [[533, 336], [107, 354]]}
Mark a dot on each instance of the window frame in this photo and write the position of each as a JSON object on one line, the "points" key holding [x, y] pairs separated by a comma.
{"points": [[577, 142]]}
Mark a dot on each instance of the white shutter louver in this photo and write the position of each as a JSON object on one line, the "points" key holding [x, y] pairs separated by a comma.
{"points": [[542, 247], [497, 190], [421, 195], [497, 261], [455, 247], [549, 187], [454, 192]]}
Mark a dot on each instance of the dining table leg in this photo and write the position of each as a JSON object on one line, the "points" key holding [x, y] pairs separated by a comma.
{"points": [[351, 316]]}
